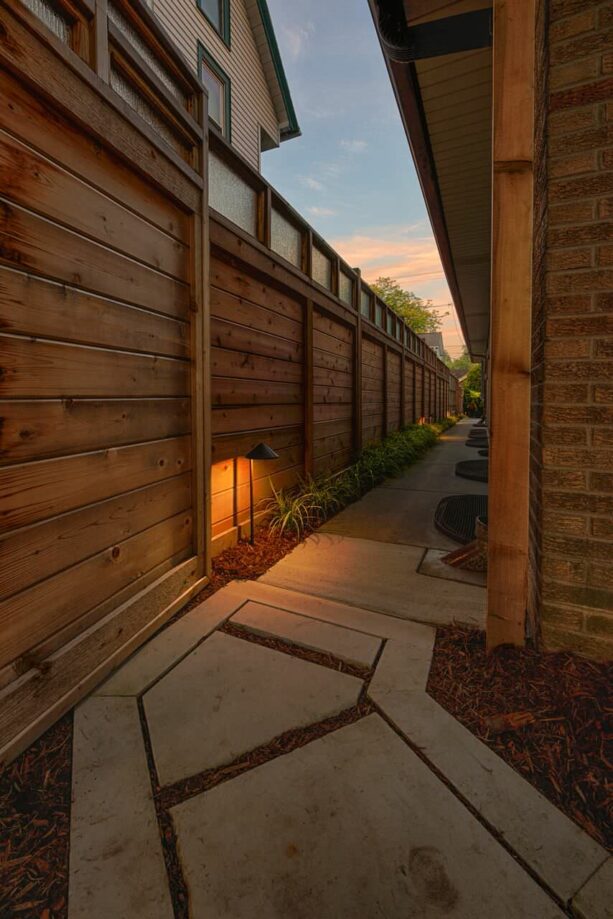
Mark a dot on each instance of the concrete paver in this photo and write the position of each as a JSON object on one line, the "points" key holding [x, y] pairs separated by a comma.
{"points": [[378, 576], [116, 863], [229, 696], [434, 566], [351, 826], [309, 633], [595, 899]]}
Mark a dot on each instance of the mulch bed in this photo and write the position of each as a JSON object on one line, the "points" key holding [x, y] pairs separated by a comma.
{"points": [[550, 716], [35, 787], [34, 827]]}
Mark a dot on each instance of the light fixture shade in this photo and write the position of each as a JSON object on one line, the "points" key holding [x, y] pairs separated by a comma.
{"points": [[262, 452]]}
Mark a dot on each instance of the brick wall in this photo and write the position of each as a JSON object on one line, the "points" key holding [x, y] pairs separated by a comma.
{"points": [[572, 522]]}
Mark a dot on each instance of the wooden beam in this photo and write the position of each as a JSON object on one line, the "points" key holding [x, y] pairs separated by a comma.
{"points": [[512, 219]]}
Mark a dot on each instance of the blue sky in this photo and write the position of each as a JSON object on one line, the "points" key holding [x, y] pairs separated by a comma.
{"points": [[350, 173]]}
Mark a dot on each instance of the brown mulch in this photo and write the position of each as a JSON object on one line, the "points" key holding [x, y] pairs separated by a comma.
{"points": [[35, 787], [34, 827], [550, 716]]}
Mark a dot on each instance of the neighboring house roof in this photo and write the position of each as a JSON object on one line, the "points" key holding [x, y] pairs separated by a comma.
{"points": [[266, 43], [434, 340]]}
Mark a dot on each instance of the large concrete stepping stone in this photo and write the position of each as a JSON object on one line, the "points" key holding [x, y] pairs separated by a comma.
{"points": [[309, 633], [229, 696], [351, 826]]}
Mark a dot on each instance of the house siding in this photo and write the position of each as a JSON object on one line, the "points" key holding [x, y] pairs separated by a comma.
{"points": [[252, 104], [572, 448]]}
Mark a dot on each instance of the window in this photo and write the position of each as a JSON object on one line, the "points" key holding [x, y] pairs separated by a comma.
{"points": [[218, 14], [218, 86]]}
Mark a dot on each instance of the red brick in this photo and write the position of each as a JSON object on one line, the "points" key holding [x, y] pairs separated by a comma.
{"points": [[569, 96], [566, 392], [590, 549], [603, 347], [580, 370], [602, 136], [578, 596], [604, 255], [567, 259], [605, 208], [569, 571], [561, 283], [579, 48], [600, 574], [554, 639], [563, 617], [601, 624], [578, 457], [576, 501], [565, 478], [565, 523], [602, 527], [577, 164], [606, 159], [568, 120], [577, 414], [578, 303], [568, 348], [602, 437], [599, 232], [604, 303], [580, 325], [563, 435], [573, 25], [601, 481], [570, 213], [602, 394]]}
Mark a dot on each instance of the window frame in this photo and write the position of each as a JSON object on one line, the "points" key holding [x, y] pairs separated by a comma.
{"points": [[206, 58], [225, 31]]}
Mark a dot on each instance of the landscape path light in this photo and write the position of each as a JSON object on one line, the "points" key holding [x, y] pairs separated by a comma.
{"points": [[260, 452]]}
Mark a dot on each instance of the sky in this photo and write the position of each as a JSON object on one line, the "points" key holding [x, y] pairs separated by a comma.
{"points": [[350, 174]]}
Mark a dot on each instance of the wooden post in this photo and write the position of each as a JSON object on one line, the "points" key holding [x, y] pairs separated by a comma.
{"points": [[402, 382], [308, 388], [357, 366], [512, 219], [385, 409], [264, 216], [100, 43]]}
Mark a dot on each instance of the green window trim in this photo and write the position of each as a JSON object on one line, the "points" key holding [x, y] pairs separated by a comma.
{"points": [[204, 57], [225, 31]]}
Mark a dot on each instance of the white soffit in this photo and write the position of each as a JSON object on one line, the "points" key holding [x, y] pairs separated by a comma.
{"points": [[456, 91]]}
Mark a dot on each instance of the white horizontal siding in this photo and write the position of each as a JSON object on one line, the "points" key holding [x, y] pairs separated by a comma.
{"points": [[252, 104]]}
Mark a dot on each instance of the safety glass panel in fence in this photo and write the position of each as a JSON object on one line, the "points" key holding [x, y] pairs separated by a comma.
{"points": [[390, 324], [285, 239], [379, 314], [231, 196], [322, 268], [365, 303], [345, 288], [54, 18], [140, 45]]}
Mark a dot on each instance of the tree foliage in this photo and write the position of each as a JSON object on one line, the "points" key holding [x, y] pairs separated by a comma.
{"points": [[418, 313], [461, 363]]}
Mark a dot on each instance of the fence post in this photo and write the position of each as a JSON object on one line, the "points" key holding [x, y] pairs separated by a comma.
{"points": [[308, 387], [385, 408], [403, 400], [357, 366], [101, 62]]}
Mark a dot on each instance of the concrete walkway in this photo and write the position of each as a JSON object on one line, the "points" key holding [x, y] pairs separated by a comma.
{"points": [[274, 754]]}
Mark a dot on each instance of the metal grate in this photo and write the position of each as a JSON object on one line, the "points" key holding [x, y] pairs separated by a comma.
{"points": [[472, 469], [456, 514]]}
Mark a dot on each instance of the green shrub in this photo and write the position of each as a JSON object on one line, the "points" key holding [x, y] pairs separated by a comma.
{"points": [[314, 499]]}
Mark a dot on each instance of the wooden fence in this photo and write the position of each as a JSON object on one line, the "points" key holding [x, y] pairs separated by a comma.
{"points": [[117, 385], [303, 354], [102, 306]]}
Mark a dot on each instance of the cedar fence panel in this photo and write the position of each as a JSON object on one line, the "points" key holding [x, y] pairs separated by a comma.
{"points": [[103, 531]]}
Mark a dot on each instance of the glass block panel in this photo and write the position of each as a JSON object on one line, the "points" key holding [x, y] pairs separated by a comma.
{"points": [[54, 18], [345, 288], [140, 45], [379, 314], [285, 239], [231, 196], [365, 303], [322, 268], [141, 106]]}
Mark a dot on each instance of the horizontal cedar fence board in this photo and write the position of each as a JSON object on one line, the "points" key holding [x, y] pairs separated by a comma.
{"points": [[43, 369], [242, 364], [228, 391], [322, 341], [225, 305], [327, 361], [332, 412], [34, 553], [33, 244], [324, 377], [34, 614], [46, 309], [39, 430], [234, 280], [235, 445], [231, 336], [330, 394], [42, 489], [37, 183], [252, 418], [59, 139], [225, 474]]}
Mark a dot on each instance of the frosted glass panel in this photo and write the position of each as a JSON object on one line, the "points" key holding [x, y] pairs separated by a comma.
{"points": [[322, 269], [365, 303], [142, 107], [345, 288], [390, 324], [285, 239], [379, 314], [53, 18], [139, 44], [231, 196]]}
